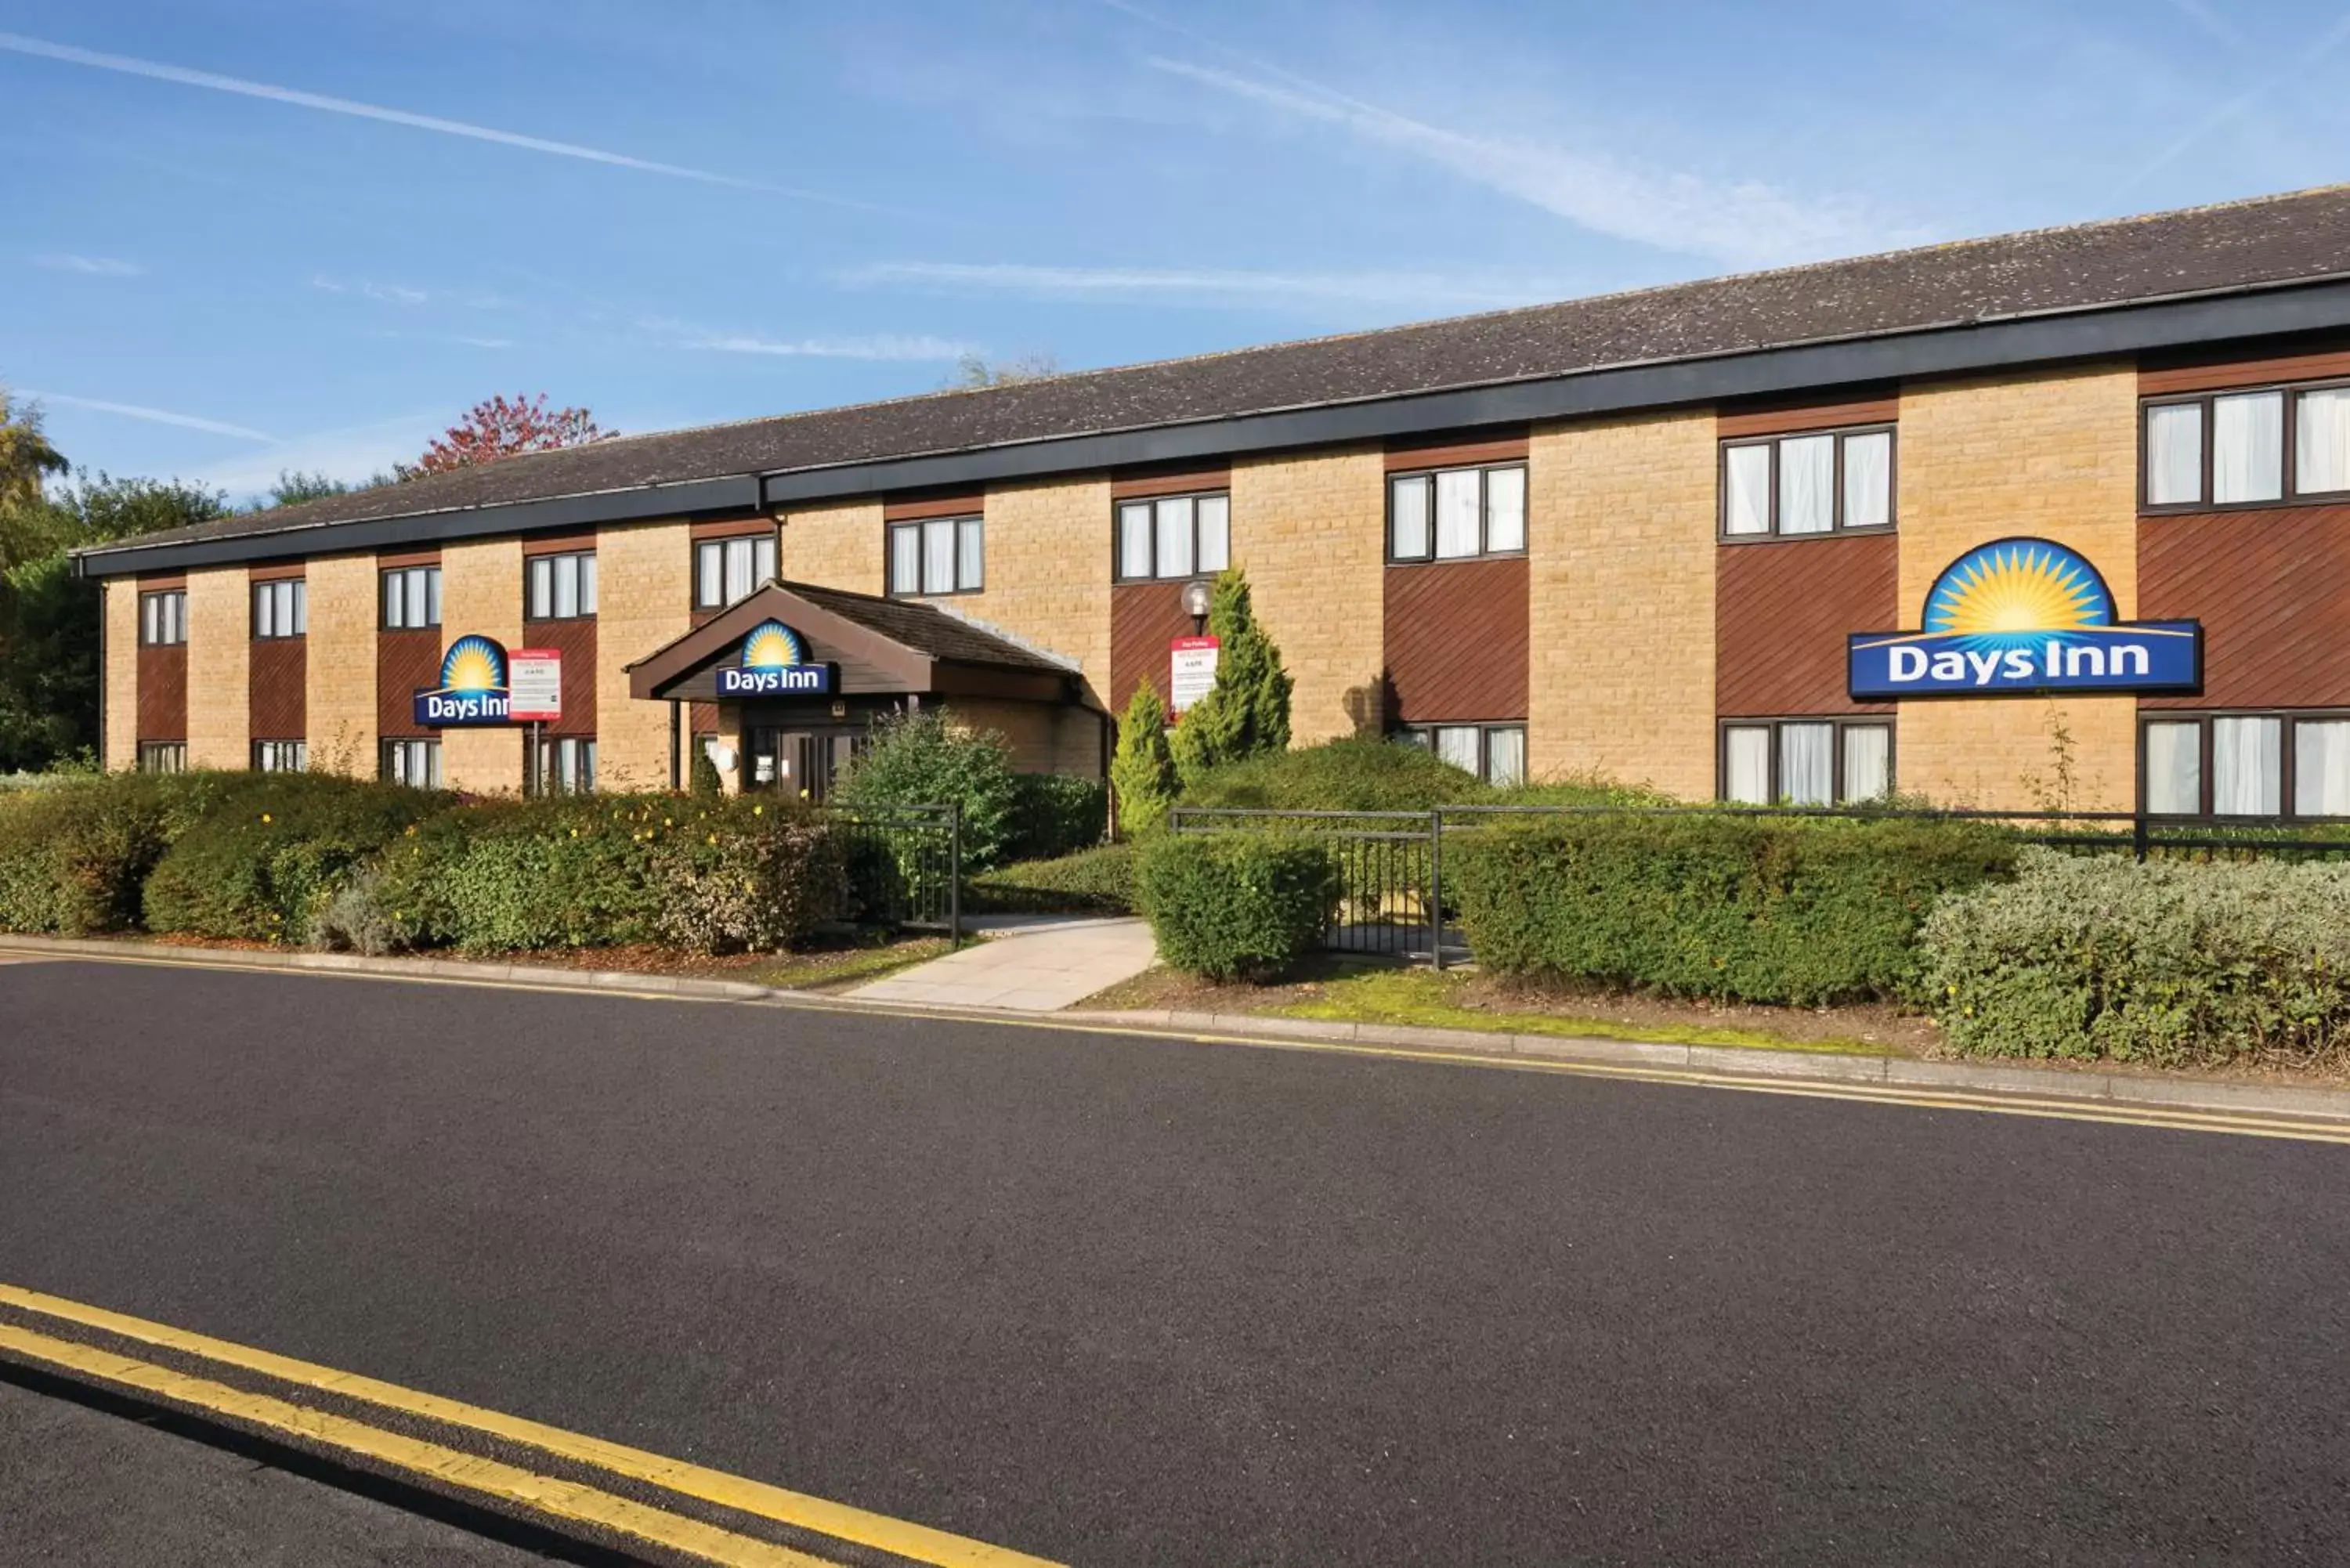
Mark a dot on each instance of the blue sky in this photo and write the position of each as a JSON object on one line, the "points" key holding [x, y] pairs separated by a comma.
{"points": [[244, 236]]}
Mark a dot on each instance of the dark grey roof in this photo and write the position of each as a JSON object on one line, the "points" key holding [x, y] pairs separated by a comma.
{"points": [[927, 630], [2262, 243]]}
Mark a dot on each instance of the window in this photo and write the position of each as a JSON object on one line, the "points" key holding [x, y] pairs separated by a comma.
{"points": [[938, 556], [1174, 536], [567, 766], [412, 762], [1806, 762], [281, 756], [2245, 764], [559, 588], [2254, 448], [162, 756], [1495, 752], [1825, 483], [1454, 513], [163, 617], [281, 608], [728, 571], [412, 599]]}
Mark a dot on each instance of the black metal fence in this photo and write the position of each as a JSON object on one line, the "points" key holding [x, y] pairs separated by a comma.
{"points": [[1392, 863], [905, 864]]}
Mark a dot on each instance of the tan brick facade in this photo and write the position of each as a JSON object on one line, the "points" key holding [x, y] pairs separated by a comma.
{"points": [[643, 590], [1620, 532], [1048, 572], [1311, 534], [481, 592], [120, 742], [220, 664], [1044, 738], [339, 671], [2053, 455], [837, 547]]}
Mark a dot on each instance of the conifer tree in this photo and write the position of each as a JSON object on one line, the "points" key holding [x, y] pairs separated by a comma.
{"points": [[1142, 773], [1247, 710]]}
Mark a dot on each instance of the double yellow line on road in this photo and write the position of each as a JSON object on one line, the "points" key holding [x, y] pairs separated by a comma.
{"points": [[515, 1487]]}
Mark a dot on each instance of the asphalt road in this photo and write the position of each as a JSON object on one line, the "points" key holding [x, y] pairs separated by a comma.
{"points": [[1128, 1300]]}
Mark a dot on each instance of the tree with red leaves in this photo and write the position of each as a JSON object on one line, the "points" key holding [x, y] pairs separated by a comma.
{"points": [[502, 428]]}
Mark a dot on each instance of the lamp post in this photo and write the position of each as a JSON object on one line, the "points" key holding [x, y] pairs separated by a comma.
{"points": [[1196, 596]]}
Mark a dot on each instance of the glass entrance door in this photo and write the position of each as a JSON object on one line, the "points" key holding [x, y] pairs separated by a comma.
{"points": [[799, 762]]}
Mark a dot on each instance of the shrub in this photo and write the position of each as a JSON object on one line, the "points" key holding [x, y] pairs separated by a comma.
{"points": [[1355, 774], [74, 857], [1142, 773], [1236, 906], [1714, 905], [925, 759], [1246, 711], [1099, 881], [1055, 815], [2168, 962], [702, 780]]}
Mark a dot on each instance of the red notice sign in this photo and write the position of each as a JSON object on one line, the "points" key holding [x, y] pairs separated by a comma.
{"points": [[1191, 669], [535, 685]]}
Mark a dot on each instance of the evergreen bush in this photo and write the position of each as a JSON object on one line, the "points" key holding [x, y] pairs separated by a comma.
{"points": [[1099, 881], [1357, 772], [1055, 815], [1246, 711], [1236, 906], [1142, 771], [924, 758], [74, 858]]}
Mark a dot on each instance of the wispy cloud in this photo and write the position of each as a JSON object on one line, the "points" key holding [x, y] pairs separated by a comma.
{"points": [[157, 70], [367, 288], [89, 266], [154, 416], [886, 346], [2262, 92], [2211, 22], [1214, 286], [353, 453]]}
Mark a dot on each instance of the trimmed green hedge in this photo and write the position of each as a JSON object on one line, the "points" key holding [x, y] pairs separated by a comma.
{"points": [[74, 857], [1055, 815], [1355, 774], [2171, 963], [1096, 881], [1236, 906], [1729, 907]]}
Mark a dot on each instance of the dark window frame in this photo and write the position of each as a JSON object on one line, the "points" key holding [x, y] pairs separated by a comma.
{"points": [[301, 598], [1117, 543], [529, 595], [1838, 528], [1424, 734], [152, 753], [178, 598], [759, 579], [2207, 779], [1484, 512], [433, 775], [2288, 475], [1840, 794], [301, 756], [890, 532], [551, 779], [431, 597]]}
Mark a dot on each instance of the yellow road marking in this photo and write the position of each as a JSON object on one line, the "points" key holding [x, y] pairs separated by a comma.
{"points": [[838, 1520], [538, 1493]]}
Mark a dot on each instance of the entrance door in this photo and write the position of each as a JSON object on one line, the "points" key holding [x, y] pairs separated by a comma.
{"points": [[799, 762]]}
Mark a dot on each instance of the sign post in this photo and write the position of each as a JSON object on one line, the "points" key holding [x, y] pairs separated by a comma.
{"points": [[1190, 670]]}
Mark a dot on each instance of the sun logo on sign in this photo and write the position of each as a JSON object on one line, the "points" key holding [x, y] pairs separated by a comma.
{"points": [[473, 665], [2013, 589], [772, 645]]}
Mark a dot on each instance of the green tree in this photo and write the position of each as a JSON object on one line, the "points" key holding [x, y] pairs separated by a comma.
{"points": [[101, 509], [975, 370], [1246, 711], [294, 487], [925, 758], [27, 461], [1142, 773]]}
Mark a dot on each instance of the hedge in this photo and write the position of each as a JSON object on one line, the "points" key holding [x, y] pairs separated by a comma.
{"points": [[1355, 774], [2171, 962], [1713, 905], [74, 857], [1236, 906], [1055, 815], [1096, 881]]}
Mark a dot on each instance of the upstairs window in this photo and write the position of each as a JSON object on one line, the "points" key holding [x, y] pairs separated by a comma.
{"points": [[2253, 448], [559, 588], [163, 619], [281, 608], [938, 556], [728, 571], [1455, 513], [1174, 536], [1826, 481], [412, 599]]}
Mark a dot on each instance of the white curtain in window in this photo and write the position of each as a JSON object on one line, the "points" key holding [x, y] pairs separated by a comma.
{"points": [[1407, 531], [1215, 532], [2248, 447], [432, 617], [905, 558], [1134, 539], [2321, 767], [566, 572], [1505, 509], [741, 566], [1868, 762], [1807, 484], [542, 586], [1505, 756], [1868, 480], [939, 556], [2322, 441], [970, 554], [1746, 472], [2174, 768], [1458, 501], [2174, 454], [1458, 744], [1807, 763], [587, 584], [763, 560], [2247, 767], [1746, 764], [419, 596], [1175, 537]]}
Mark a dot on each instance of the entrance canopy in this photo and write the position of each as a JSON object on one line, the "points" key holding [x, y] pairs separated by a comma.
{"points": [[795, 642]]}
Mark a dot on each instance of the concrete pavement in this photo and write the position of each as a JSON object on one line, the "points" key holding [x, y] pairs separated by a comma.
{"points": [[1027, 963]]}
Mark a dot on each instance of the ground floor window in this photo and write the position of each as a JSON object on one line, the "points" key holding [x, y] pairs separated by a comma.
{"points": [[162, 756], [281, 756], [2273, 765], [415, 762], [567, 766], [1495, 752], [1805, 762]]}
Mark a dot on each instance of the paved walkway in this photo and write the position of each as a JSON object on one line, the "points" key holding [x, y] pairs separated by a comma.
{"points": [[1027, 963]]}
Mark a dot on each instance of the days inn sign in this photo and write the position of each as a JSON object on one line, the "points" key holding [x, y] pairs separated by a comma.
{"points": [[773, 663], [2018, 617]]}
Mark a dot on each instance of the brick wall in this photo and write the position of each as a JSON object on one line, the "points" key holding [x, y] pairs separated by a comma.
{"points": [[1310, 533], [220, 662], [338, 678], [119, 743], [837, 545], [1048, 572], [1620, 534], [2053, 455], [1045, 738], [481, 592], [644, 590]]}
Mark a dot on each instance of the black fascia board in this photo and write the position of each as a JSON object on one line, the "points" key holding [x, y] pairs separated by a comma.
{"points": [[1980, 347], [692, 498]]}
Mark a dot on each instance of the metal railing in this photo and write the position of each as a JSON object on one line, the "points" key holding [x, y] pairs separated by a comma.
{"points": [[904, 864]]}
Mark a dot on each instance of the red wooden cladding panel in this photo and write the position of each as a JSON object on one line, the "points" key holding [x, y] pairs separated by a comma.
{"points": [[1134, 486], [575, 641], [163, 692], [278, 708], [1462, 450], [731, 527], [276, 571], [2160, 380], [702, 719], [1785, 418], [558, 543], [406, 662], [965, 504], [1456, 640], [2273, 591], [1143, 619], [1783, 609], [391, 561]]}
